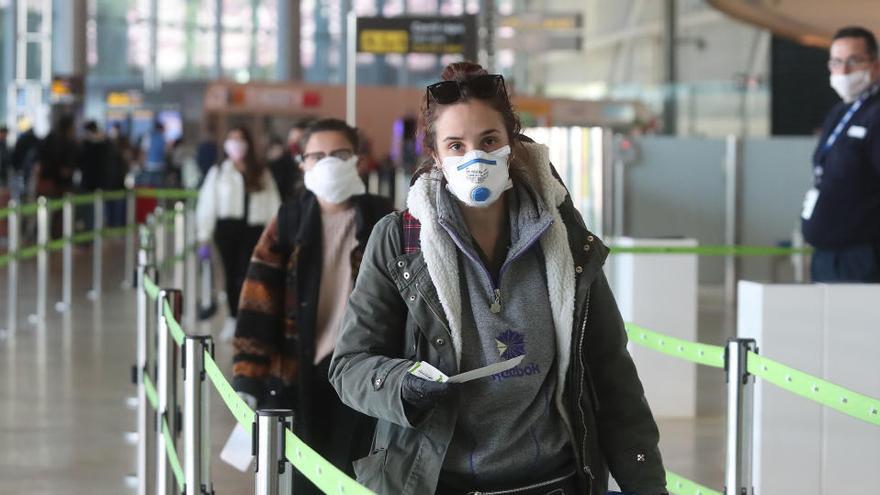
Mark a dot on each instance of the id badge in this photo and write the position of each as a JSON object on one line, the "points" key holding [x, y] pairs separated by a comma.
{"points": [[810, 200]]}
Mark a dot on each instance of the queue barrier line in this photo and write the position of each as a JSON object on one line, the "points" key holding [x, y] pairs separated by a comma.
{"points": [[704, 354], [712, 250], [150, 390], [841, 399], [173, 326], [55, 204], [151, 288], [683, 486], [238, 407], [167, 193], [27, 209], [173, 459], [327, 477], [58, 244], [115, 195], [83, 199]]}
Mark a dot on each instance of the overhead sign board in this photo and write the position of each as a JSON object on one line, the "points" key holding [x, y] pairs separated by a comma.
{"points": [[437, 35], [536, 21]]}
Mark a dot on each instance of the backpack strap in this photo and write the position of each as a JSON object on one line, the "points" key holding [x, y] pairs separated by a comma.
{"points": [[411, 229]]}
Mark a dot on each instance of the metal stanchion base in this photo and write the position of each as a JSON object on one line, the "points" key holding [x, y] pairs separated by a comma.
{"points": [[92, 295], [61, 307], [131, 437], [34, 319]]}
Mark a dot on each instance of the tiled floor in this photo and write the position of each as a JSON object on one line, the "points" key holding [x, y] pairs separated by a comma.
{"points": [[65, 387]]}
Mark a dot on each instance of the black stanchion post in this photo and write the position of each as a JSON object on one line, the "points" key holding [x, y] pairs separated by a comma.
{"points": [[130, 219], [12, 222], [274, 475], [97, 246], [179, 245], [42, 259], [67, 268], [194, 378], [166, 387], [146, 434], [740, 417]]}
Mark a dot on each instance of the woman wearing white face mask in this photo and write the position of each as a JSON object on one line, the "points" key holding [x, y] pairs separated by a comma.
{"points": [[236, 201], [301, 274], [491, 265]]}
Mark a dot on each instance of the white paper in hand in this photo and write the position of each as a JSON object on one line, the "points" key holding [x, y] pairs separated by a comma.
{"points": [[426, 371], [237, 451]]}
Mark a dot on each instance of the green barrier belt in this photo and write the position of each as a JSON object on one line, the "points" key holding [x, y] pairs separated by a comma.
{"points": [[239, 408], [28, 209], [83, 237], [173, 460], [117, 231], [83, 199], [4, 260], [826, 393], [173, 327], [4, 212], [682, 486], [150, 389], [708, 355], [114, 195], [55, 204], [712, 250], [56, 245], [324, 475], [28, 252], [167, 193], [151, 288]]}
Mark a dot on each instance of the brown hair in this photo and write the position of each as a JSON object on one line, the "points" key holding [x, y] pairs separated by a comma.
{"points": [[253, 168], [429, 111]]}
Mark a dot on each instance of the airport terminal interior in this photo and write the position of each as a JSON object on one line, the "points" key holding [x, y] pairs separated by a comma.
{"points": [[244, 246]]}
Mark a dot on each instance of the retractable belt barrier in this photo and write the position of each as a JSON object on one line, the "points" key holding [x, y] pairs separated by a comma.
{"points": [[318, 470]]}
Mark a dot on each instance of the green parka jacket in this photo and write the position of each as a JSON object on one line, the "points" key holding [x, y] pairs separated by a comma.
{"points": [[405, 308]]}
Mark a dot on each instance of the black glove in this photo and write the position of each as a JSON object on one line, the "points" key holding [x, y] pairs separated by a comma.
{"points": [[423, 394]]}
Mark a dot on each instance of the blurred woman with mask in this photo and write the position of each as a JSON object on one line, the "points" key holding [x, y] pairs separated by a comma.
{"points": [[236, 201], [301, 274]]}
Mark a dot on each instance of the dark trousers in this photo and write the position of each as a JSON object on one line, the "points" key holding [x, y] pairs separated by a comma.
{"points": [[236, 241], [852, 264], [338, 433]]}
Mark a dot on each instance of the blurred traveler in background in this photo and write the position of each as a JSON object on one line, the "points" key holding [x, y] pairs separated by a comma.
{"points": [[207, 152], [56, 160], [24, 154], [292, 302], [113, 177], [491, 264], [154, 148], [236, 201], [841, 212], [93, 164], [284, 165]]}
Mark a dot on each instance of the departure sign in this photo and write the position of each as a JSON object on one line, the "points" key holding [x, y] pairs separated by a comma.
{"points": [[438, 35]]}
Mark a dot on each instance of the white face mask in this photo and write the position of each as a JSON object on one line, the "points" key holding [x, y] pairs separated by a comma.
{"points": [[478, 178], [235, 149], [334, 180], [850, 86]]}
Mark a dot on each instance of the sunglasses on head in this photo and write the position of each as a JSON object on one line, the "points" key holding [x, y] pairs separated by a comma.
{"points": [[482, 87]]}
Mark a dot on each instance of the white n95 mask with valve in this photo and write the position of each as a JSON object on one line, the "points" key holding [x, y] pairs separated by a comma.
{"points": [[478, 178]]}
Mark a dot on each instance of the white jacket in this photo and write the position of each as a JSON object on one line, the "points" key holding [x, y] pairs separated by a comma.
{"points": [[222, 198]]}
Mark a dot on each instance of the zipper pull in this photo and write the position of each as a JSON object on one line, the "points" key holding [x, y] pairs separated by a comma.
{"points": [[496, 305]]}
